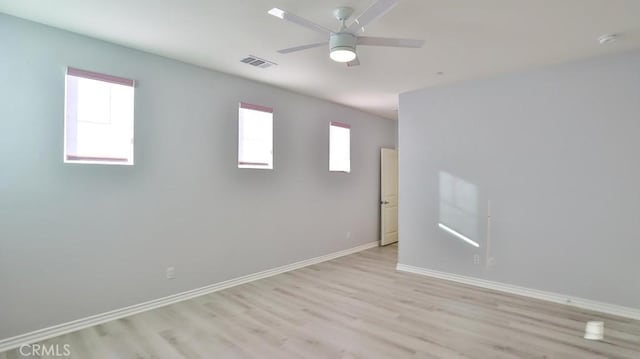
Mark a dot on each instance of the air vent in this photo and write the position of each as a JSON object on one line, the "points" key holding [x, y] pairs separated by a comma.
{"points": [[257, 62]]}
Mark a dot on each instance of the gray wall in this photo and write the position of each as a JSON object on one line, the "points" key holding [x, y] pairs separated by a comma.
{"points": [[77, 240], [556, 151]]}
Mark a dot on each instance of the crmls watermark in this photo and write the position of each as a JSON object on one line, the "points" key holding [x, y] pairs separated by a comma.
{"points": [[45, 350]]}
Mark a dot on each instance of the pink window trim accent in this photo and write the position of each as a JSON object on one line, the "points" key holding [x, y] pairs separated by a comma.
{"points": [[100, 77], [104, 159], [252, 163], [339, 124], [249, 106]]}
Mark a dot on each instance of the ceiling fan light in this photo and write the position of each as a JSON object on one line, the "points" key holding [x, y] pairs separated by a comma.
{"points": [[277, 12], [342, 47], [342, 54]]}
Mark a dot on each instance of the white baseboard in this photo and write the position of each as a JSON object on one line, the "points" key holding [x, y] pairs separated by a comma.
{"points": [[528, 292], [57, 330]]}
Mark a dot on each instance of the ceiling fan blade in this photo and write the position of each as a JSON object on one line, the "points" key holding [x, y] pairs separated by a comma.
{"points": [[284, 15], [354, 62], [375, 11], [384, 41], [303, 47]]}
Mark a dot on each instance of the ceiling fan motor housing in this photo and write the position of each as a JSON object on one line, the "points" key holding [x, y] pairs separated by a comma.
{"points": [[342, 41]]}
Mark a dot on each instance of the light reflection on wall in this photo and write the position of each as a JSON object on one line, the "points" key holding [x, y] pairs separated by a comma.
{"points": [[459, 209]]}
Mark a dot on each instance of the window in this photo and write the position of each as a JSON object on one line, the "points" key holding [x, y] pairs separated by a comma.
{"points": [[339, 147], [98, 121], [255, 136]]}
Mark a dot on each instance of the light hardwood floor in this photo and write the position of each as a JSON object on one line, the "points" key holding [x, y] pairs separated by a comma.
{"points": [[356, 306]]}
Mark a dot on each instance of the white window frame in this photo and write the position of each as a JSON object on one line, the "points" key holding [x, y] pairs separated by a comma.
{"points": [[71, 120], [254, 163], [336, 163]]}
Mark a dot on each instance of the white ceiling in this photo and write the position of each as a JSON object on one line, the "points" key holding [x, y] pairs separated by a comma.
{"points": [[464, 38]]}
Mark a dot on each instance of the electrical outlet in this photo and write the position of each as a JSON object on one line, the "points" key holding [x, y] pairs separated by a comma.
{"points": [[171, 273], [348, 235], [476, 259]]}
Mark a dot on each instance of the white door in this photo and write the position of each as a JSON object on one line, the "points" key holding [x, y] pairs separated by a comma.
{"points": [[388, 196]]}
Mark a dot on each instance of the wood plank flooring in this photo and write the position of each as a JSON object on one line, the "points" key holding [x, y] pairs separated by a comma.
{"points": [[356, 306]]}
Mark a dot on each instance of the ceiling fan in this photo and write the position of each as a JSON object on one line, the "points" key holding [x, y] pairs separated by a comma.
{"points": [[342, 43]]}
